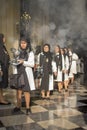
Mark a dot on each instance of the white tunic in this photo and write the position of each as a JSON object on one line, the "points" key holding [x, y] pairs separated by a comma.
{"points": [[78, 66], [60, 72], [66, 67], [54, 69], [73, 69], [51, 80], [29, 65]]}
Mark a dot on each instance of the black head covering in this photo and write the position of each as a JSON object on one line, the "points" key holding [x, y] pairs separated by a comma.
{"points": [[58, 59], [27, 40], [46, 44], [23, 53], [49, 56]]}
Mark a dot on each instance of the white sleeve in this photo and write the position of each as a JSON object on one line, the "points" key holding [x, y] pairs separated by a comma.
{"points": [[54, 68], [63, 67], [30, 62], [74, 56], [38, 58], [67, 63]]}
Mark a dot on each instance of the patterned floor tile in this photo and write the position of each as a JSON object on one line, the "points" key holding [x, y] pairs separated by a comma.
{"points": [[44, 102], [85, 127], [31, 126], [79, 128], [42, 116], [59, 128], [58, 123], [6, 107], [52, 106], [59, 99], [52, 127], [10, 96], [36, 109], [80, 120], [67, 112], [3, 128], [15, 120], [9, 112]]}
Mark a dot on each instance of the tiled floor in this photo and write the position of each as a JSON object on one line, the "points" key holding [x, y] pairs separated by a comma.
{"points": [[65, 111]]}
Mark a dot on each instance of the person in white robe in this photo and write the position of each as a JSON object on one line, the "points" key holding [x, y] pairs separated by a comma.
{"points": [[59, 60], [25, 71], [73, 65], [45, 61], [66, 68]]}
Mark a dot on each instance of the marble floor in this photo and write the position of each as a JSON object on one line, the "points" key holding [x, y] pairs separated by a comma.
{"points": [[65, 111]]}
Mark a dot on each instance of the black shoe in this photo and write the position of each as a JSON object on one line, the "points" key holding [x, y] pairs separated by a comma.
{"points": [[59, 92], [1, 124], [43, 98], [16, 109], [28, 111], [48, 98], [7, 103], [66, 90]]}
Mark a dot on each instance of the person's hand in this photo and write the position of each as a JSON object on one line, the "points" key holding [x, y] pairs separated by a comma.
{"points": [[20, 61]]}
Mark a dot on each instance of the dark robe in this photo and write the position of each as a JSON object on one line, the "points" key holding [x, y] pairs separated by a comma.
{"points": [[45, 62], [58, 60], [4, 61]]}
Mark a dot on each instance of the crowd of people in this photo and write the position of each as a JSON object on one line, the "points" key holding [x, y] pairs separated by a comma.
{"points": [[41, 71], [59, 67]]}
